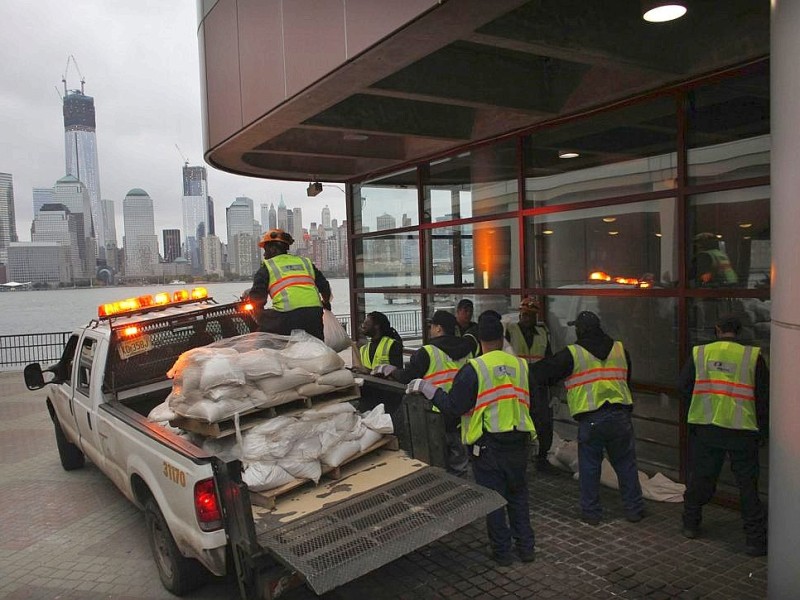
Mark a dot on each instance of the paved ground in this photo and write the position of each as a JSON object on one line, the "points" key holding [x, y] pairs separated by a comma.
{"points": [[73, 536]]}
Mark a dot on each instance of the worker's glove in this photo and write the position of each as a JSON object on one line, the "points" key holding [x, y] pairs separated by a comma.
{"points": [[420, 386], [384, 370]]}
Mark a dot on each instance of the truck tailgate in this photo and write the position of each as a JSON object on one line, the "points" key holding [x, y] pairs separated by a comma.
{"points": [[338, 532]]}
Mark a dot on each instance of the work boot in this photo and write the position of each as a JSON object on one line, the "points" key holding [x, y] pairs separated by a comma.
{"points": [[527, 556], [504, 560], [635, 517], [690, 532], [590, 519], [543, 466]]}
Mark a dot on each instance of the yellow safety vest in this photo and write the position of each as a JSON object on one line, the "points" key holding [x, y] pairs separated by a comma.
{"points": [[536, 351], [723, 271], [441, 368], [291, 282], [503, 402], [381, 353], [724, 386], [595, 382]]}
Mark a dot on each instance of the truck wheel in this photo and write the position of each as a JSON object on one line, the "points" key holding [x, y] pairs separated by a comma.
{"points": [[71, 456], [178, 573]]}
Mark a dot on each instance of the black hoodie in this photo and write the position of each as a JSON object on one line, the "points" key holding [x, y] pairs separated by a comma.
{"points": [[455, 347]]}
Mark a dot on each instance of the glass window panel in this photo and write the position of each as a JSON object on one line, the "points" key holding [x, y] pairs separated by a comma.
{"points": [[480, 255], [646, 326], [473, 184], [728, 129], [637, 242], [506, 305], [731, 239], [627, 151], [754, 313], [404, 314], [388, 261], [386, 203]]}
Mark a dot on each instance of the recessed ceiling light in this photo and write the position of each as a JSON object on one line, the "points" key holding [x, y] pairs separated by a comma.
{"points": [[548, 232], [568, 154], [745, 225], [613, 233], [355, 137], [609, 219], [719, 236], [747, 237], [661, 11], [658, 235]]}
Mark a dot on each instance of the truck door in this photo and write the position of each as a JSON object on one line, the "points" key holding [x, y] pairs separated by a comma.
{"points": [[88, 380], [61, 393]]}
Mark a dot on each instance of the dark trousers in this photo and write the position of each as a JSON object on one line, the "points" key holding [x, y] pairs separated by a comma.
{"points": [[308, 319], [542, 416], [456, 458], [708, 447], [504, 471], [608, 428]]}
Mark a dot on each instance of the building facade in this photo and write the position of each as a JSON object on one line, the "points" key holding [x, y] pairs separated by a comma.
{"points": [[243, 251], [195, 213], [140, 241], [74, 195], [39, 262], [41, 196], [172, 244], [8, 223]]}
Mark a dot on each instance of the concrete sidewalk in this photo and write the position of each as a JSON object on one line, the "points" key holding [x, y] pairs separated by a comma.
{"points": [[73, 536]]}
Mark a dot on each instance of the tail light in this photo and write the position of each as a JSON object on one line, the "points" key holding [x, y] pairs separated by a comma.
{"points": [[206, 505]]}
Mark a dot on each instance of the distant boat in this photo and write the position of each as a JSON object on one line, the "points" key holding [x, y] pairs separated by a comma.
{"points": [[177, 282]]}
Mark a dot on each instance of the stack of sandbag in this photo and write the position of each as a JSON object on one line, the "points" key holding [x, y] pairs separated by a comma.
{"points": [[283, 449], [257, 370]]}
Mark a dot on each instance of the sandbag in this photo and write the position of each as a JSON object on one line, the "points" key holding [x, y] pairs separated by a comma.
{"points": [[306, 352], [377, 420], [335, 335], [314, 389], [341, 452], [221, 369], [291, 379], [339, 378], [162, 412], [370, 438], [301, 469], [260, 476], [257, 364]]}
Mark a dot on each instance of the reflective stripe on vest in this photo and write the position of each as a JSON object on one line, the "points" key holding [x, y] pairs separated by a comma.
{"points": [[381, 353], [536, 351], [441, 368], [723, 271], [291, 282], [503, 401], [724, 386], [595, 382]]}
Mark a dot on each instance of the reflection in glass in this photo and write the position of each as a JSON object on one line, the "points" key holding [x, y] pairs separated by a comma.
{"points": [[403, 311], [730, 233], [388, 261], [481, 255], [621, 152], [505, 305], [386, 203], [624, 246], [476, 183], [754, 313]]}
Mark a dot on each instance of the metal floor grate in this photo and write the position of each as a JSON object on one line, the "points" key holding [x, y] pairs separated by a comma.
{"points": [[341, 543]]}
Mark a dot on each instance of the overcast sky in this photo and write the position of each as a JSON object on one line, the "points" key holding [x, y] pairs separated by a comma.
{"points": [[140, 62]]}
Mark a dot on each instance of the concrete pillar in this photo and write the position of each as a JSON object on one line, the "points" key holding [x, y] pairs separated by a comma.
{"points": [[784, 448]]}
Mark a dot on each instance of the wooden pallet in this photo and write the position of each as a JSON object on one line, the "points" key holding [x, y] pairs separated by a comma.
{"points": [[255, 416], [266, 499]]}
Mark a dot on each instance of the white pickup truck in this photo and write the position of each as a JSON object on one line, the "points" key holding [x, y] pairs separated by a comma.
{"points": [[198, 512]]}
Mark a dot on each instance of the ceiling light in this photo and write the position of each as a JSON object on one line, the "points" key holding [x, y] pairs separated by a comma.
{"points": [[719, 236], [609, 219], [355, 137], [613, 233], [548, 232], [745, 225], [661, 11], [658, 235], [313, 189], [747, 237], [567, 154]]}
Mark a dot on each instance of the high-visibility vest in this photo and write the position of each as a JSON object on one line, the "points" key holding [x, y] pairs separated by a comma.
{"points": [[724, 386], [381, 353], [536, 351], [503, 401], [595, 382], [291, 282], [722, 270], [441, 368]]}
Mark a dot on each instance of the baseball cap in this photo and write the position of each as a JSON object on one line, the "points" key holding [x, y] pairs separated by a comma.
{"points": [[530, 304], [446, 320], [585, 320], [490, 327]]}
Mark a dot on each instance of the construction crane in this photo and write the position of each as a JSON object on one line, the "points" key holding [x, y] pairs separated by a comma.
{"points": [[185, 160], [66, 70]]}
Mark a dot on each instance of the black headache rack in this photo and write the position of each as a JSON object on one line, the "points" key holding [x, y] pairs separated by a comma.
{"points": [[146, 356]]}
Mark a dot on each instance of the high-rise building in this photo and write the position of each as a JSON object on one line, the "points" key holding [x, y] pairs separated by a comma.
{"points": [[242, 246], [195, 181], [80, 145], [282, 220], [211, 249], [297, 228], [212, 230], [195, 211], [172, 244], [264, 221], [41, 196], [109, 224], [273, 217], [8, 222], [55, 223], [39, 262], [326, 217], [140, 240], [75, 196]]}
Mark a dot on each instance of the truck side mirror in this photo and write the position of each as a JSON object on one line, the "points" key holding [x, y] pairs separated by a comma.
{"points": [[34, 378]]}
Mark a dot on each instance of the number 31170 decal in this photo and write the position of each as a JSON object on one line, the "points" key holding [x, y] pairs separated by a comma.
{"points": [[174, 474]]}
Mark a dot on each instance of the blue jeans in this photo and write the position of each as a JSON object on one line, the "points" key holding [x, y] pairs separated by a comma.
{"points": [[609, 428], [504, 471]]}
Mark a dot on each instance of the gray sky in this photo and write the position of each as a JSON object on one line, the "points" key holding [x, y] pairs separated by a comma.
{"points": [[140, 61]]}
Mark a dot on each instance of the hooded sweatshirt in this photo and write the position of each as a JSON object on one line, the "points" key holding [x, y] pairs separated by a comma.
{"points": [[455, 347]]}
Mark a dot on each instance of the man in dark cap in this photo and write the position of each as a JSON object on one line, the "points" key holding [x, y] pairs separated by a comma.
{"points": [[465, 325], [596, 371], [491, 396], [437, 362]]}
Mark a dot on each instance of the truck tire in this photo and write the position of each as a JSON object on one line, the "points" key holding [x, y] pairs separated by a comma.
{"points": [[179, 574], [71, 456]]}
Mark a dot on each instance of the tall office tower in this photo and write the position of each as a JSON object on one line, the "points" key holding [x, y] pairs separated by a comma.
{"points": [[195, 214], [289, 221], [326, 217], [8, 222], [80, 145], [211, 249], [264, 221], [74, 195], [282, 221], [55, 223], [172, 244], [40, 262], [242, 247], [212, 230], [297, 228], [388, 250], [140, 240], [41, 196], [109, 223], [273, 217]]}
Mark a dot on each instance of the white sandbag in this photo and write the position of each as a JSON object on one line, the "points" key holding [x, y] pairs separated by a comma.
{"points": [[330, 410], [291, 379], [257, 364], [271, 439], [370, 438], [662, 489], [306, 448], [233, 391], [260, 476], [327, 433], [566, 456], [377, 420], [341, 452], [335, 335], [225, 448], [221, 369], [338, 378], [162, 412], [314, 389], [300, 469], [304, 351]]}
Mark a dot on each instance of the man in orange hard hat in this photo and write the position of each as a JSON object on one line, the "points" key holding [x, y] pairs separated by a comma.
{"points": [[298, 289]]}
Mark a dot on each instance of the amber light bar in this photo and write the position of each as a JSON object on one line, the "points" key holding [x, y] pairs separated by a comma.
{"points": [[132, 305]]}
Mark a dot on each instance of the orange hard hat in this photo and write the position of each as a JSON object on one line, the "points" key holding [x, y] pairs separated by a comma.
{"points": [[530, 304], [276, 235]]}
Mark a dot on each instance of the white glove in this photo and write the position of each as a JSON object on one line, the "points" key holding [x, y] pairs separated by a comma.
{"points": [[420, 386], [383, 370]]}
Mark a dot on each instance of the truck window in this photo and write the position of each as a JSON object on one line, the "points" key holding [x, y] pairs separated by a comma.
{"points": [[64, 365], [85, 361]]}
